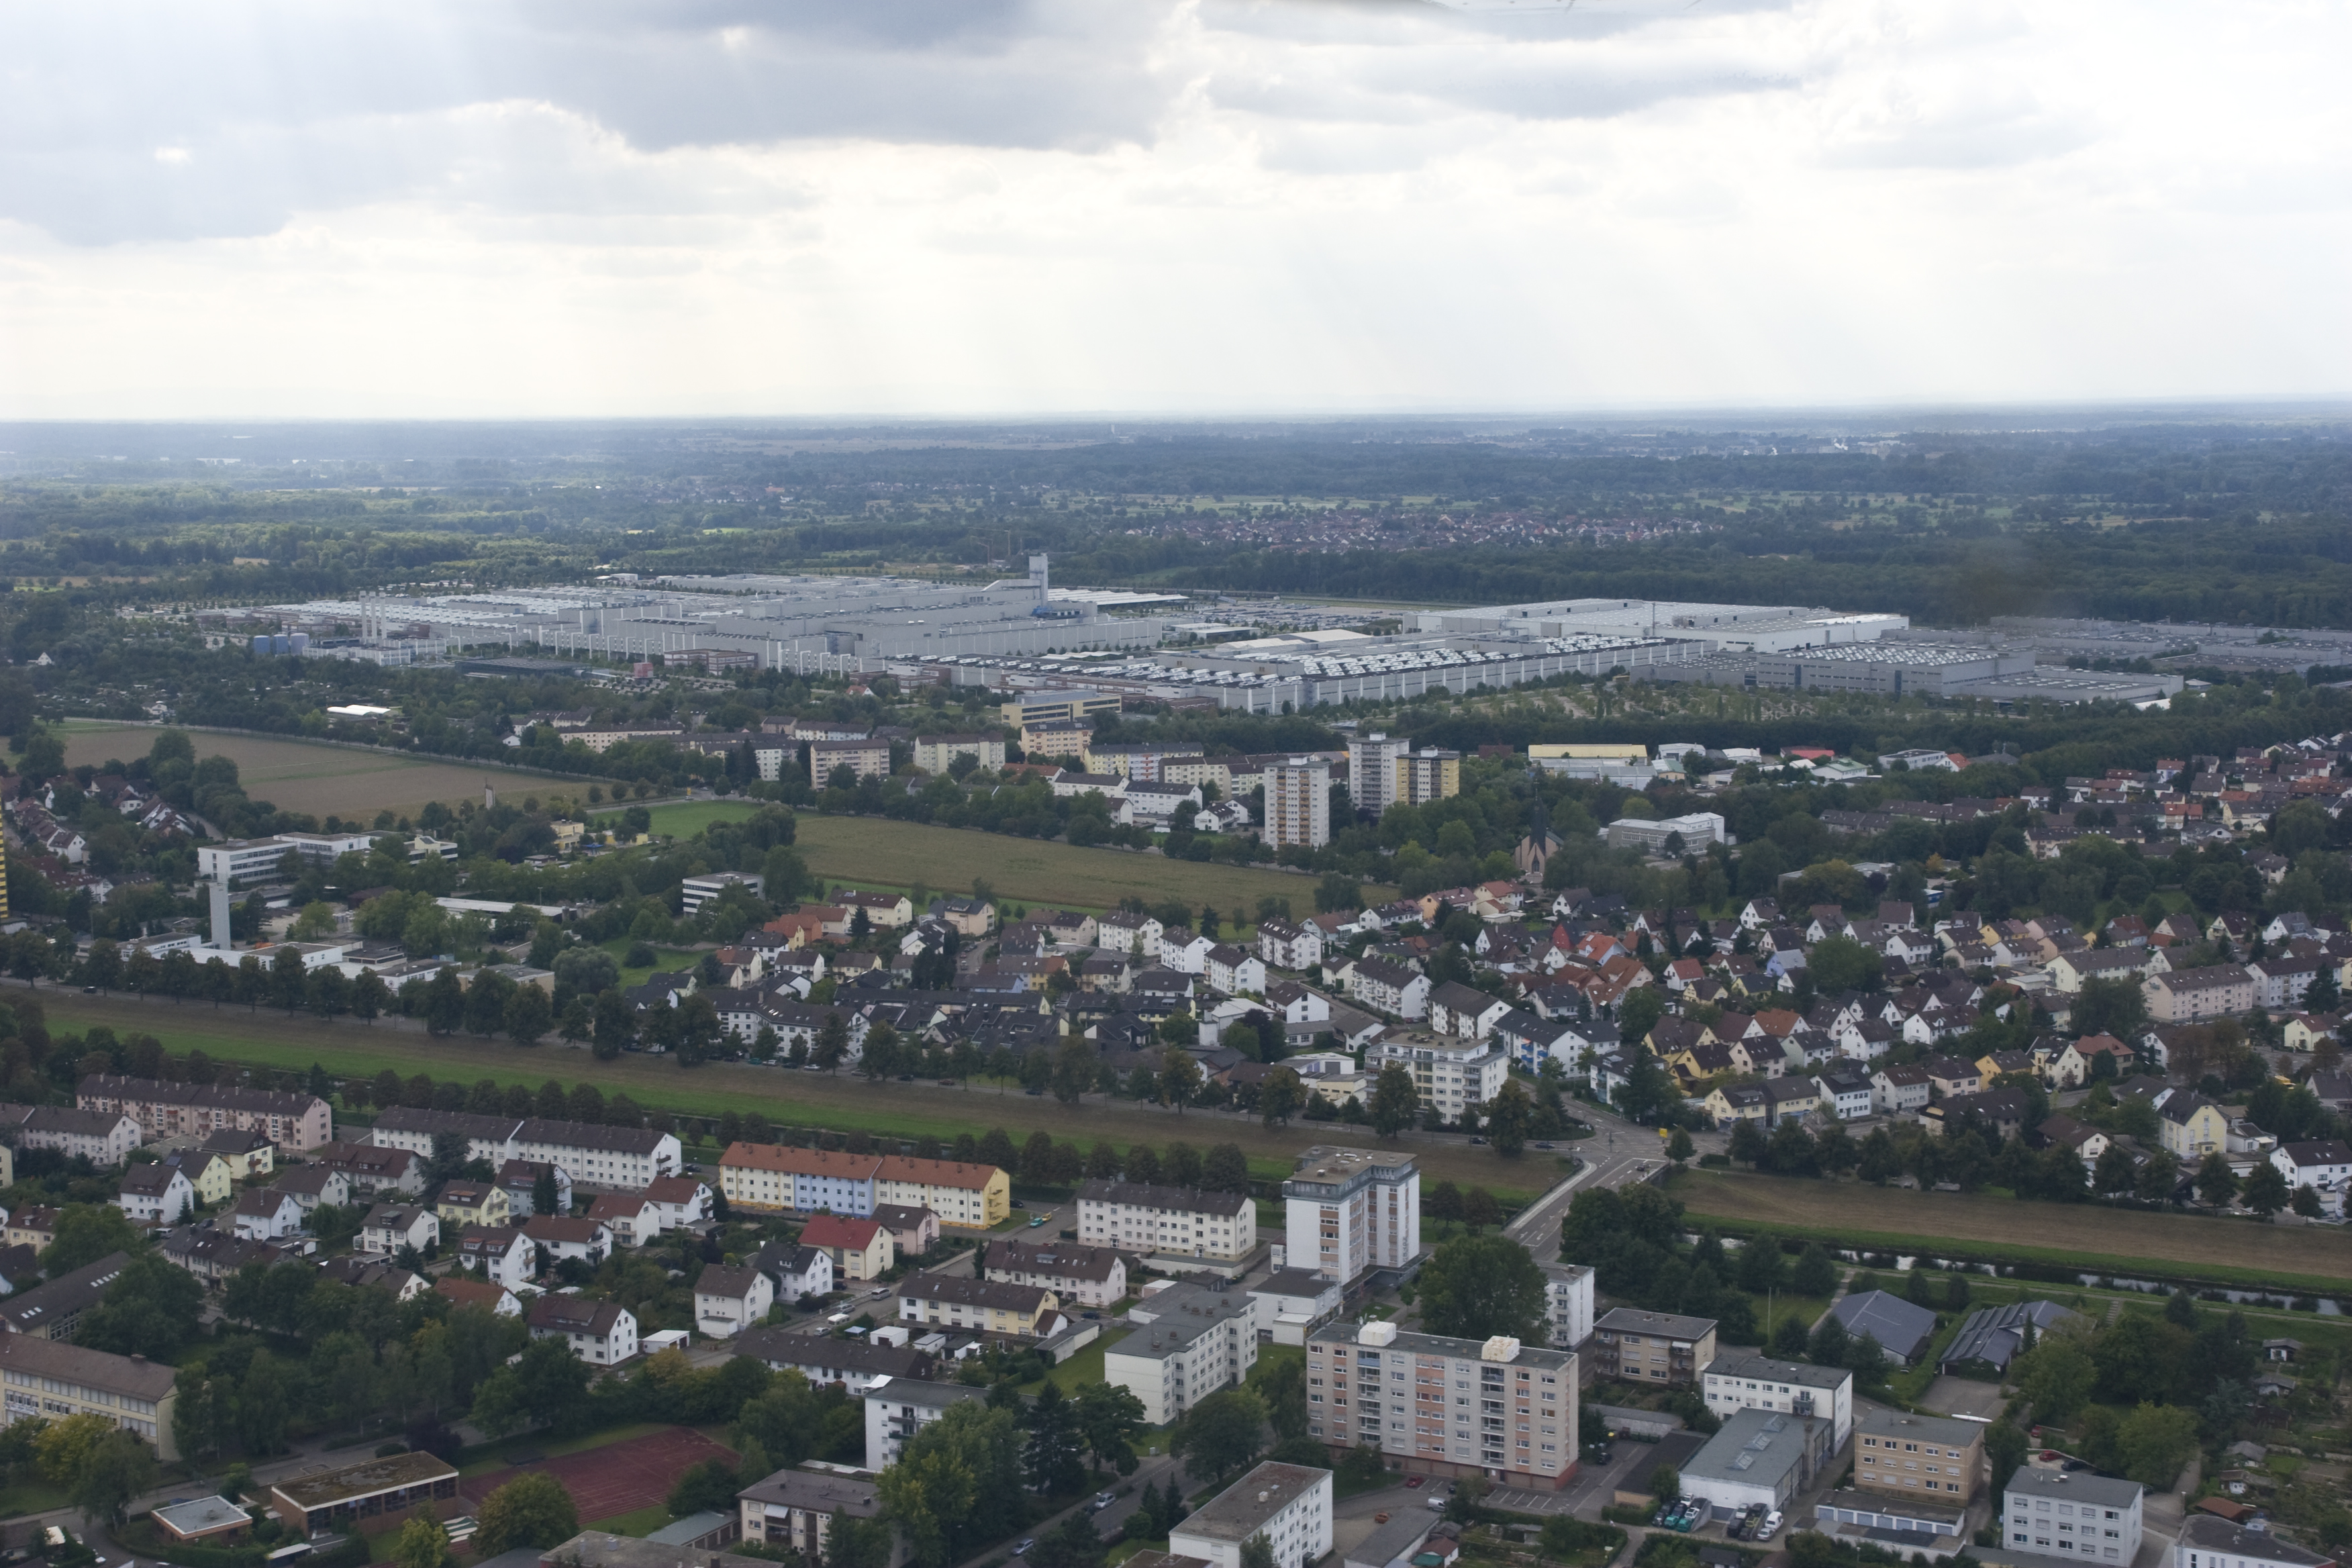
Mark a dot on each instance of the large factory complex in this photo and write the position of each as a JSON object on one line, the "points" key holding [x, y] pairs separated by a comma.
{"points": [[1023, 633]]}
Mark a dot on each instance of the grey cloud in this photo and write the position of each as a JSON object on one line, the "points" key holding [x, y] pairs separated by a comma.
{"points": [[145, 120], [136, 121]]}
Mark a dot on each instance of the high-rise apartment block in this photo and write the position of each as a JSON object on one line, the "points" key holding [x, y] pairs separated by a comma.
{"points": [[1382, 773], [1372, 771], [1349, 1211], [1442, 1406], [1428, 776], [1298, 802]]}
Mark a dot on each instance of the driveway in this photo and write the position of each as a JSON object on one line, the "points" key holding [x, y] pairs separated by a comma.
{"points": [[1963, 1396]]}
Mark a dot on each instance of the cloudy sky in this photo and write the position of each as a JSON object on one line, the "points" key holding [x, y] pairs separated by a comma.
{"points": [[721, 207]]}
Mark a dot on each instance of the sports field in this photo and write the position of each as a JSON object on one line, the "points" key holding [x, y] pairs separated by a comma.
{"points": [[301, 775], [2101, 1240], [618, 1478], [352, 1049], [878, 853]]}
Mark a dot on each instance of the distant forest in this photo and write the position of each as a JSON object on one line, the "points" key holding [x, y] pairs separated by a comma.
{"points": [[2187, 521]]}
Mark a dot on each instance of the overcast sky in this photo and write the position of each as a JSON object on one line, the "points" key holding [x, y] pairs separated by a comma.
{"points": [[722, 206]]}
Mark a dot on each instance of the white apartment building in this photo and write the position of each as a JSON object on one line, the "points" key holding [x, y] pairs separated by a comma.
{"points": [[102, 1137], [899, 1407], [1191, 1341], [590, 1153], [2075, 1517], [1451, 1074], [1155, 1221], [1568, 1303], [1347, 1212], [2207, 1542], [1441, 1406], [1759, 1382], [1298, 802], [1388, 987], [1290, 1505]]}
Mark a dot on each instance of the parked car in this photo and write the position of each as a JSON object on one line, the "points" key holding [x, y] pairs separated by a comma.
{"points": [[1771, 1526]]}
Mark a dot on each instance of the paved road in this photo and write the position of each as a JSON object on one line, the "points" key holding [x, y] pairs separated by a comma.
{"points": [[1618, 1152]]}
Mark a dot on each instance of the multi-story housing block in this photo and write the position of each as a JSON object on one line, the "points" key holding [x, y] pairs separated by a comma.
{"points": [[1436, 1405], [1348, 1211], [292, 1122], [1154, 1221], [1651, 1347]]}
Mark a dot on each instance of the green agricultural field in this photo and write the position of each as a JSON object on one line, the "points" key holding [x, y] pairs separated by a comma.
{"points": [[685, 818], [878, 853], [350, 1049], [2104, 1241], [295, 774]]}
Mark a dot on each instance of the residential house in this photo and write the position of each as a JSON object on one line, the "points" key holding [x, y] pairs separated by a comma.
{"points": [[560, 1237], [2191, 1126], [2003, 1110], [984, 1306], [472, 1204], [264, 1214], [860, 1248], [2325, 1165], [248, 1152], [633, 1218], [1949, 1075], [388, 1227], [207, 1173], [799, 1272], [1089, 1276], [1235, 971], [505, 1257], [157, 1194], [728, 1300], [914, 1230], [1898, 1090], [603, 1333], [500, 1302], [310, 1186], [1845, 1092], [373, 1169]]}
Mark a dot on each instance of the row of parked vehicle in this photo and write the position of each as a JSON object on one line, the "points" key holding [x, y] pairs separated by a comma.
{"points": [[1686, 1514]]}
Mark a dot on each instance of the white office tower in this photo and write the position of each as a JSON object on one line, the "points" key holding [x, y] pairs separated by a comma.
{"points": [[1037, 577], [1347, 1212], [217, 891], [1298, 802], [1372, 771]]}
